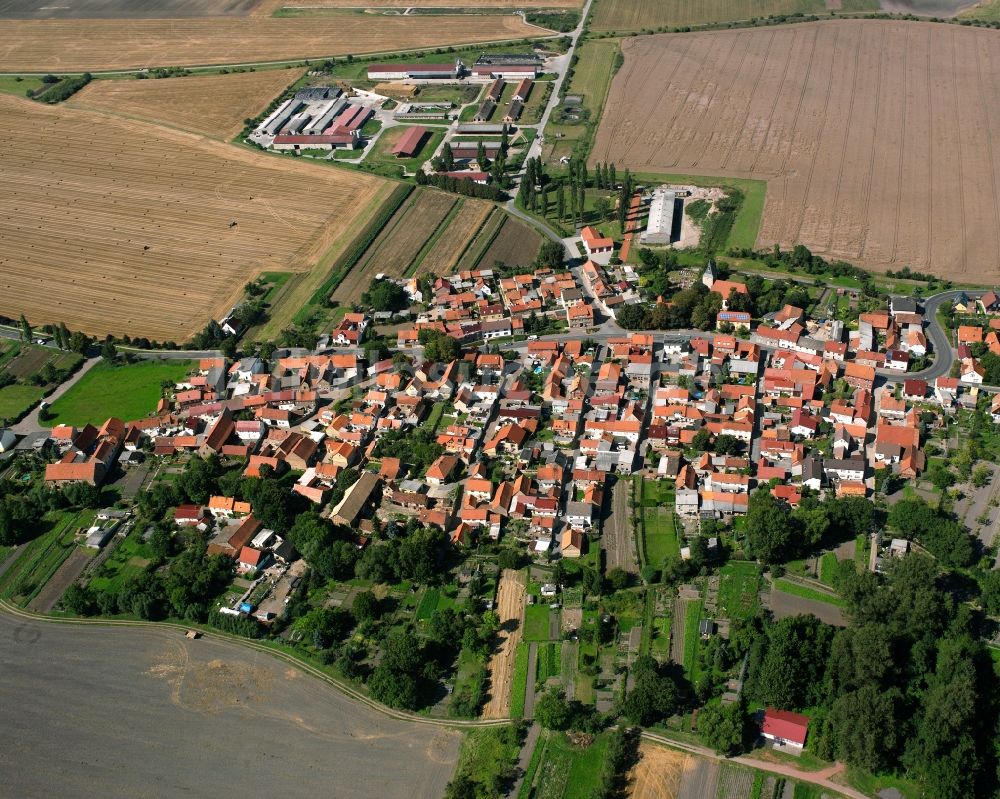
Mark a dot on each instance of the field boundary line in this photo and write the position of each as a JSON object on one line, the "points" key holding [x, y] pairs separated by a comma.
{"points": [[8, 609]]}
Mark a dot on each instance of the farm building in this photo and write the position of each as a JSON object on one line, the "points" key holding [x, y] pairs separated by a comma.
{"points": [[660, 227], [514, 111], [315, 94], [598, 248], [475, 176], [523, 90], [415, 71], [467, 153], [477, 129], [495, 90], [409, 144], [485, 111], [324, 141], [422, 111], [512, 66], [785, 728], [280, 116]]}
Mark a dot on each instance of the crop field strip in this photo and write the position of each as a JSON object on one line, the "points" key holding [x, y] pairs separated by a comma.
{"points": [[399, 243], [875, 137], [131, 230], [516, 244], [443, 256], [215, 105], [275, 6], [126, 9], [632, 15], [107, 44]]}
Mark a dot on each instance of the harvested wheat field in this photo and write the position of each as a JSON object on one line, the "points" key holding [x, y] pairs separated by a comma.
{"points": [[658, 774], [875, 137], [103, 44], [631, 15], [510, 606], [215, 105], [397, 246], [117, 226]]}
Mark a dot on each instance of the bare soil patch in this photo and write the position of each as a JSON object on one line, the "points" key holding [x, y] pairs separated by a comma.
{"points": [[510, 607], [215, 105], [118, 226], [444, 254], [99, 44], [628, 15], [875, 137]]}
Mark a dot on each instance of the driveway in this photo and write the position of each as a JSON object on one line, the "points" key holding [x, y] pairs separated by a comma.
{"points": [[30, 424]]}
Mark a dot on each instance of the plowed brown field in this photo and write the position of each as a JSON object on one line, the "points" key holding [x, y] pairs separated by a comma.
{"points": [[105, 44], [875, 137], [510, 607], [215, 105], [119, 226]]}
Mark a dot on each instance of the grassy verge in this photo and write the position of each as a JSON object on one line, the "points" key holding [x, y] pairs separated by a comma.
{"points": [[805, 592], [536, 623], [127, 391]]}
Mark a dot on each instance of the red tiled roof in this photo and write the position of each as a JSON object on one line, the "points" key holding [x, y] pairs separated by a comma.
{"points": [[785, 724]]}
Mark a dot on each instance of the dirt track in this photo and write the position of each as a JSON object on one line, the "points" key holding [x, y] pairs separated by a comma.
{"points": [[510, 607], [875, 137], [63, 577]]}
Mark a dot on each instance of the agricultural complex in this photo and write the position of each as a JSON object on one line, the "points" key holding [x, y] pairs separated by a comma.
{"points": [[162, 229], [874, 137], [215, 105], [100, 44]]}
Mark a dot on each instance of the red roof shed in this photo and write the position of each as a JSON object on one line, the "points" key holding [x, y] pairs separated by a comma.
{"points": [[788, 726], [408, 145]]}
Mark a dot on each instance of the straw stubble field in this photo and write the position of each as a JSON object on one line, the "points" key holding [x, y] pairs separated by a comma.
{"points": [[108, 44], [118, 226], [875, 137], [215, 105], [510, 606]]}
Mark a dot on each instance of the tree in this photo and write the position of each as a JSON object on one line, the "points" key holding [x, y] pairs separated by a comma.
{"points": [[551, 254], [552, 710], [602, 205], [727, 445], [385, 295], [438, 346], [366, 607], [25, 329], [654, 696], [560, 202], [723, 727], [109, 352], [633, 317], [448, 158], [619, 579], [790, 674], [981, 475], [199, 480], [865, 728], [769, 528]]}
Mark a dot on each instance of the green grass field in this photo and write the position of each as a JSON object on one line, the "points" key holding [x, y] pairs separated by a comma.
{"points": [[738, 590], [804, 591], [382, 162], [487, 753], [536, 622], [12, 84], [128, 392], [986, 10], [661, 542], [828, 568], [519, 683], [549, 662], [15, 399], [566, 771], [130, 558], [428, 604]]}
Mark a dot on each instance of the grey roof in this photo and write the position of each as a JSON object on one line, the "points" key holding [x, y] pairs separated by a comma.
{"points": [[579, 509]]}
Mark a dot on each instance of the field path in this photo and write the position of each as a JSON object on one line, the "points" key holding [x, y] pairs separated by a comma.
{"points": [[510, 607], [30, 424]]}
